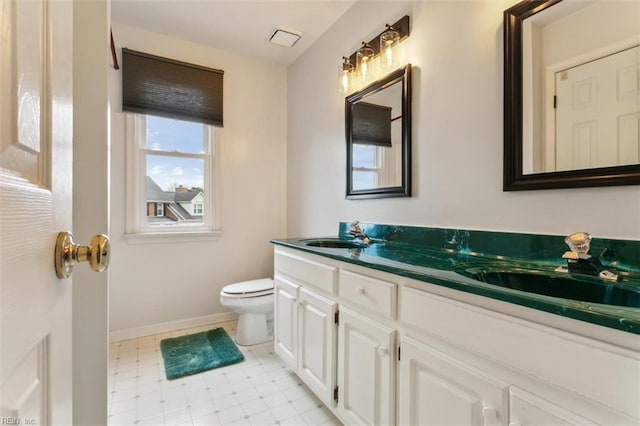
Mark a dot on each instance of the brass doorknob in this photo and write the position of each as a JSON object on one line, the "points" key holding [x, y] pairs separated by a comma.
{"points": [[68, 254]]}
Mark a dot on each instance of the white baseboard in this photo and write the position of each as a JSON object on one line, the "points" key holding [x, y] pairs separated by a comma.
{"points": [[163, 327]]}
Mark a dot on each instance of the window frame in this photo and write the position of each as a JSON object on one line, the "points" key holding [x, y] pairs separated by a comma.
{"points": [[136, 228]]}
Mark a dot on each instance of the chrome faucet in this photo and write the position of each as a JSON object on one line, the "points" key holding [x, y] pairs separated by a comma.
{"points": [[579, 261], [357, 232]]}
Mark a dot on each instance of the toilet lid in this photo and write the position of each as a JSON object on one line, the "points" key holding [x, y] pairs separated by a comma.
{"points": [[262, 286]]}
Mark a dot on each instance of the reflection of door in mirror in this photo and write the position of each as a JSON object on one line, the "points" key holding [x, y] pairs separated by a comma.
{"points": [[597, 113], [377, 140], [581, 86]]}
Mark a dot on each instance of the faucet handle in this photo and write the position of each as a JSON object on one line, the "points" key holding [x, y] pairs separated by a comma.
{"points": [[579, 242], [354, 227], [609, 276]]}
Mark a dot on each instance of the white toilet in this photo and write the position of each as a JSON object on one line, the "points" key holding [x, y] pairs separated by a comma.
{"points": [[253, 301]]}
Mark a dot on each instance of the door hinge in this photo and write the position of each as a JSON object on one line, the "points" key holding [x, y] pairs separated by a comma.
{"points": [[398, 352], [335, 394], [555, 101], [336, 317]]}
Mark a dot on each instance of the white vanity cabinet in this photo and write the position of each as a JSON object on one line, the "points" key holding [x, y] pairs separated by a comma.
{"points": [[331, 338], [304, 335], [406, 352], [438, 388], [304, 323], [367, 348], [508, 370]]}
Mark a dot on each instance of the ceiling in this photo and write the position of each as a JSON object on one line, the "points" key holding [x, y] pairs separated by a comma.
{"points": [[239, 26]]}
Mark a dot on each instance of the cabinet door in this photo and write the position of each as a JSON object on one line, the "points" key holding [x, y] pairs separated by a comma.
{"points": [[285, 321], [437, 389], [526, 409], [366, 370], [317, 339]]}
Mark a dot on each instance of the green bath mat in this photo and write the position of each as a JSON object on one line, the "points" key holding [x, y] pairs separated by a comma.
{"points": [[194, 353]]}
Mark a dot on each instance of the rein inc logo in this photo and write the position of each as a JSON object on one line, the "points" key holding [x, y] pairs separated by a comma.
{"points": [[17, 421]]}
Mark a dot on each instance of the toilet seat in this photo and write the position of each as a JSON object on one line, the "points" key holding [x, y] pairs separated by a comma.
{"points": [[246, 289]]}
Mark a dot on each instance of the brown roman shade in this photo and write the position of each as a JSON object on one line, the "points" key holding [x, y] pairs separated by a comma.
{"points": [[160, 86], [371, 124]]}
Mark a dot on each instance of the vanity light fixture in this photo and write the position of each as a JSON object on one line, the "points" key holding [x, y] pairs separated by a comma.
{"points": [[345, 73], [373, 59]]}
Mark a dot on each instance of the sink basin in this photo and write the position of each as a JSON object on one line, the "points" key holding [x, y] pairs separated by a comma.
{"points": [[548, 283], [333, 243]]}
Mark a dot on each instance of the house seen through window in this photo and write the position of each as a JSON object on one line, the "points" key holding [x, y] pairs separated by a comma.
{"points": [[173, 161], [175, 171]]}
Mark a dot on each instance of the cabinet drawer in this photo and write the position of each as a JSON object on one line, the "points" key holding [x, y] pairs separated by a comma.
{"points": [[306, 271], [371, 293]]}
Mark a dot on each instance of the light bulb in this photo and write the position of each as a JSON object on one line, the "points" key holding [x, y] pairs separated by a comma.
{"points": [[388, 40], [363, 59], [344, 75]]}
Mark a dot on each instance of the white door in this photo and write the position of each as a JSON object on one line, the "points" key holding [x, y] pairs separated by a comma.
{"points": [[35, 204], [437, 389], [317, 330], [598, 112], [285, 321], [366, 370]]}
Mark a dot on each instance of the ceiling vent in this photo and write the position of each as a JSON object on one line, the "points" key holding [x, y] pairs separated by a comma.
{"points": [[284, 38]]}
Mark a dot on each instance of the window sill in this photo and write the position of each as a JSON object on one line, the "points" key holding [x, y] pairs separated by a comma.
{"points": [[172, 237]]}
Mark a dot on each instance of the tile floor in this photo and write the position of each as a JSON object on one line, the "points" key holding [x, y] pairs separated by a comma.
{"points": [[258, 391]]}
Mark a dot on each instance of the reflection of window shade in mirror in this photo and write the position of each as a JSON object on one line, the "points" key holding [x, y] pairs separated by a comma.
{"points": [[371, 124]]}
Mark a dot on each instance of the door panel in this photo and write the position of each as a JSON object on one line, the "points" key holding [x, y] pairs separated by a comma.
{"points": [[23, 62], [366, 373], [317, 344], [23, 393], [437, 389], [35, 204], [285, 331]]}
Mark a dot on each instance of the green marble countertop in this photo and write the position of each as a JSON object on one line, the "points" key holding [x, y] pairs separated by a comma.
{"points": [[438, 266]]}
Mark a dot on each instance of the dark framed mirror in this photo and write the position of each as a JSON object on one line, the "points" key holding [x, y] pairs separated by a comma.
{"points": [[571, 95], [378, 132]]}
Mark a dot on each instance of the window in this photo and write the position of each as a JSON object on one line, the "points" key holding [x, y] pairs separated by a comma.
{"points": [[365, 166], [170, 176]]}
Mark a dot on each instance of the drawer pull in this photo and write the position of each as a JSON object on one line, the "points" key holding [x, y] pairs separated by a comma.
{"points": [[361, 291], [382, 351]]}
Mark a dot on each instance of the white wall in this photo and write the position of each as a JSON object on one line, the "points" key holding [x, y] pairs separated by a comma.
{"points": [[590, 29], [456, 50], [156, 283]]}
